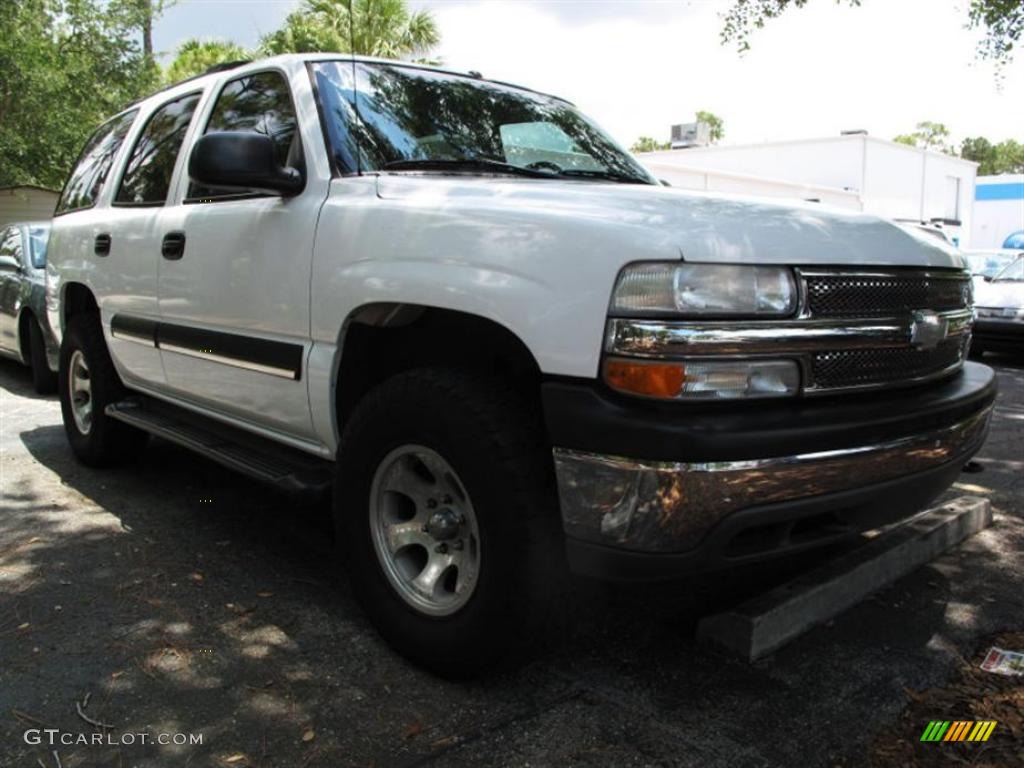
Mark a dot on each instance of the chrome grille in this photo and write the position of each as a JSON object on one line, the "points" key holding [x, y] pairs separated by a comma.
{"points": [[885, 295], [863, 367]]}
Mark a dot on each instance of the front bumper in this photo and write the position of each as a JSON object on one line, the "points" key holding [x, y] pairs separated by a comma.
{"points": [[717, 486], [998, 334]]}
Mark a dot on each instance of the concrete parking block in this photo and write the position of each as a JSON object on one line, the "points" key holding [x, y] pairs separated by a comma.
{"points": [[769, 621]]}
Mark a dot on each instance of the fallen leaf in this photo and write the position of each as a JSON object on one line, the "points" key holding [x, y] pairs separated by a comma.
{"points": [[197, 576], [414, 729], [264, 594], [25, 625], [308, 735], [238, 757]]}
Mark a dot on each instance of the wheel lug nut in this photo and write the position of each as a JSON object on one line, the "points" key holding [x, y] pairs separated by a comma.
{"points": [[431, 503], [457, 545], [446, 499], [441, 549]]}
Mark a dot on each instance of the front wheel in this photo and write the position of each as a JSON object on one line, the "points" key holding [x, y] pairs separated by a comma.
{"points": [[88, 383], [446, 514]]}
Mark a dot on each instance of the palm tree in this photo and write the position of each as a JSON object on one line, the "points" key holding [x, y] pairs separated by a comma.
{"points": [[384, 28], [196, 56]]}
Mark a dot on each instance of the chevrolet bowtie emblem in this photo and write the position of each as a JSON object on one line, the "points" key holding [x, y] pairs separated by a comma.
{"points": [[928, 330]]}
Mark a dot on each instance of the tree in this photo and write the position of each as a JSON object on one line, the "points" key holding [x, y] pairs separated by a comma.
{"points": [[1002, 22], [714, 123], [65, 66], [385, 28], [1004, 157], [929, 135], [647, 144], [196, 56]]}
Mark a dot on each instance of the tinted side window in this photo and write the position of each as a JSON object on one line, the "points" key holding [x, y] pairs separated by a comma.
{"points": [[147, 175], [258, 103], [87, 177]]}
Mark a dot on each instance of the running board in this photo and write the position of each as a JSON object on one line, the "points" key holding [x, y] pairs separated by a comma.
{"points": [[284, 467]]}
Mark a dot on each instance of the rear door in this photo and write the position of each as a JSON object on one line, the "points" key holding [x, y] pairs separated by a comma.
{"points": [[234, 294], [81, 240], [131, 307]]}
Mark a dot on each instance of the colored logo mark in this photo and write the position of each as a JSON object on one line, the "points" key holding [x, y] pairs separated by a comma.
{"points": [[958, 730]]}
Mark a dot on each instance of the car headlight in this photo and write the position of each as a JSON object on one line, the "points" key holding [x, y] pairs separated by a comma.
{"points": [[703, 290]]}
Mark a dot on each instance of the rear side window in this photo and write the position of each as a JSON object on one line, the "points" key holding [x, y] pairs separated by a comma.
{"points": [[258, 103], [147, 175], [38, 237], [87, 177]]}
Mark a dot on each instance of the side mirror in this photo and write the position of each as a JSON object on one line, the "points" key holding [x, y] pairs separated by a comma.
{"points": [[242, 160]]}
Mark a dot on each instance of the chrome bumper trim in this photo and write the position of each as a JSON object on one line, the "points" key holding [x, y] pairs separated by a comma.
{"points": [[670, 506], [662, 339]]}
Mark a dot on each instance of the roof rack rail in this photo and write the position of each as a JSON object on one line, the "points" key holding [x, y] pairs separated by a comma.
{"points": [[222, 67]]}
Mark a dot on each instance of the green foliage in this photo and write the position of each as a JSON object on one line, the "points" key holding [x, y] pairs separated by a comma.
{"points": [[385, 28], [647, 144], [65, 66], [1004, 157], [929, 135], [714, 123], [747, 15], [196, 56], [1001, 22]]}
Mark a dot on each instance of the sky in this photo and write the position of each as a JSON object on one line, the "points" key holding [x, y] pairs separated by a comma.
{"points": [[637, 67]]}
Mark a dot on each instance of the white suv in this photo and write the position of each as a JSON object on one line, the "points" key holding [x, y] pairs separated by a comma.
{"points": [[504, 346]]}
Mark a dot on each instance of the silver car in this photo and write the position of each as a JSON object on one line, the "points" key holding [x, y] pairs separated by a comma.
{"points": [[999, 309], [25, 333]]}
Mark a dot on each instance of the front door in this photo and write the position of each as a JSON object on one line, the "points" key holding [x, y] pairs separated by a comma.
{"points": [[235, 282]]}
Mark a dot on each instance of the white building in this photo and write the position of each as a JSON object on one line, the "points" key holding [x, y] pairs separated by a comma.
{"points": [[998, 209], [855, 171], [26, 203]]}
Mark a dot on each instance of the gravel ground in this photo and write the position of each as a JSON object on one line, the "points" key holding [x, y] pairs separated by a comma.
{"points": [[175, 597]]}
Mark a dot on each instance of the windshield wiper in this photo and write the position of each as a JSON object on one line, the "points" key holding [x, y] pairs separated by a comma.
{"points": [[466, 163], [609, 175]]}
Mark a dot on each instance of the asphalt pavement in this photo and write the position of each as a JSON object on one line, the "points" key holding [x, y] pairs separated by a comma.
{"points": [[174, 597]]}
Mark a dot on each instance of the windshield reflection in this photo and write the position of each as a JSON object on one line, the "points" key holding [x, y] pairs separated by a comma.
{"points": [[403, 115]]}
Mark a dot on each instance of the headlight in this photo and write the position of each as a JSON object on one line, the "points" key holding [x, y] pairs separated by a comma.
{"points": [[704, 290], [704, 379]]}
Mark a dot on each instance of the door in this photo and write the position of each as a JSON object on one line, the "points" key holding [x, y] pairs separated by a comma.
{"points": [[235, 278], [10, 277], [133, 255]]}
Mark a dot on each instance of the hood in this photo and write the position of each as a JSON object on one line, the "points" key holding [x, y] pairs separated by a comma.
{"points": [[701, 227]]}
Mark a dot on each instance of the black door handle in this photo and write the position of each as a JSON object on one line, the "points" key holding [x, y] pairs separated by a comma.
{"points": [[102, 245], [173, 246]]}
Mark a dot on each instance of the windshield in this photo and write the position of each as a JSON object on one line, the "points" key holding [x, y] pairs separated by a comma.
{"points": [[987, 264], [37, 239], [1013, 272], [406, 117]]}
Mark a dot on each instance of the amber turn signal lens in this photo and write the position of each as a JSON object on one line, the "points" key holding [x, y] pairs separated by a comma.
{"points": [[649, 379]]}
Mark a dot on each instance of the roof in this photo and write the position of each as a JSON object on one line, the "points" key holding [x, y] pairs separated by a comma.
{"points": [[220, 69]]}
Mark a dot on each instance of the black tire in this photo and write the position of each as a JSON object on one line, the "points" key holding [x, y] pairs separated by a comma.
{"points": [[107, 442], [43, 379], [495, 443]]}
